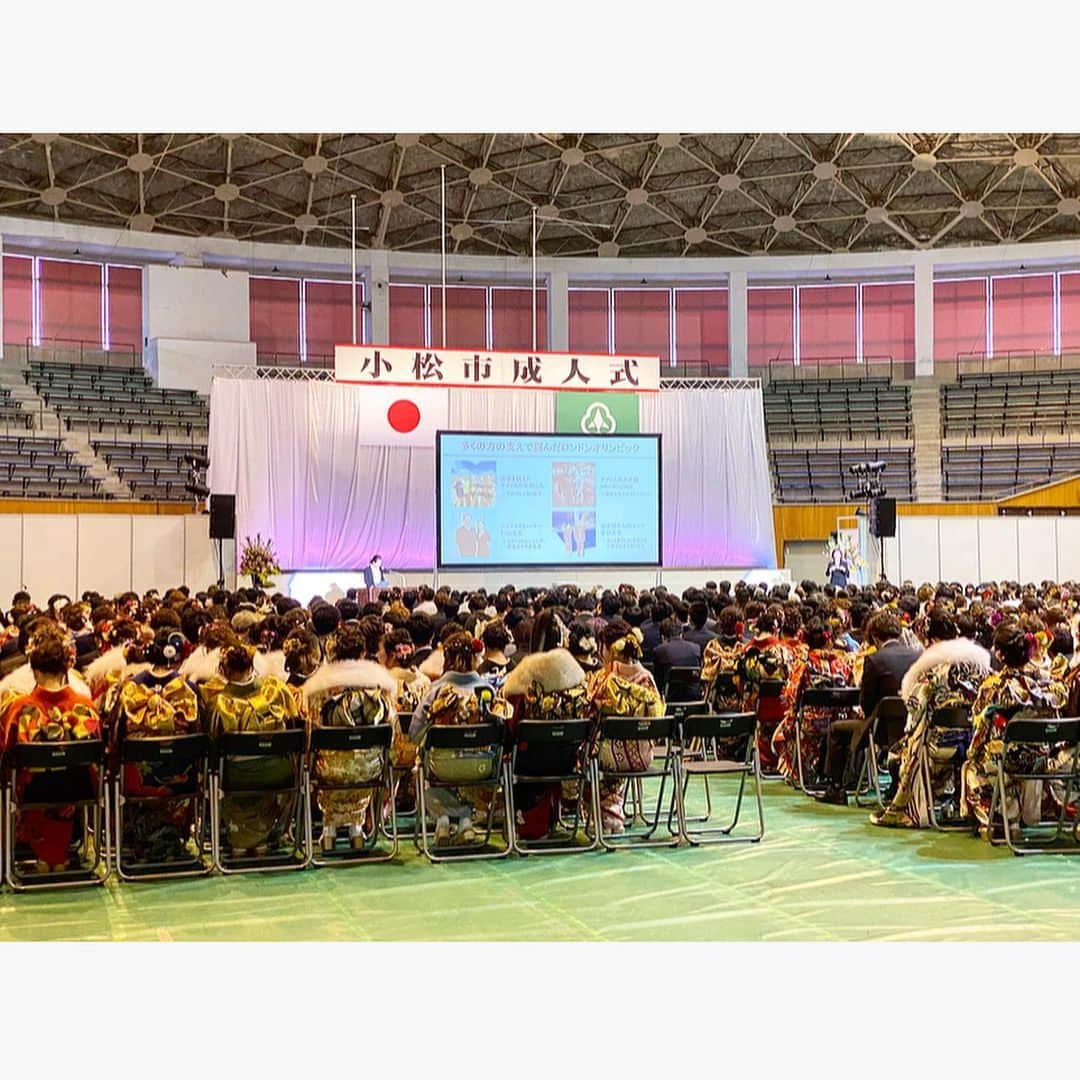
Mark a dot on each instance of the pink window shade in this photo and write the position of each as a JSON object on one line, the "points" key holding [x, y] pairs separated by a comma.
{"points": [[643, 322], [959, 318], [770, 326], [406, 316], [466, 317], [328, 317], [511, 319], [275, 316], [124, 285], [18, 299], [588, 318], [1023, 313], [888, 322], [701, 329], [71, 295], [828, 323], [1068, 285]]}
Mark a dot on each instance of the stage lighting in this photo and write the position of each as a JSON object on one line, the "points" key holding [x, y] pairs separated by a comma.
{"points": [[197, 461]]}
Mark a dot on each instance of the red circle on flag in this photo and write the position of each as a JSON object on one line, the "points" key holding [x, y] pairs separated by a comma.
{"points": [[404, 416]]}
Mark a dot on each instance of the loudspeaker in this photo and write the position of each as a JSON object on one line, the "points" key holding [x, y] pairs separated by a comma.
{"points": [[222, 517], [883, 517]]}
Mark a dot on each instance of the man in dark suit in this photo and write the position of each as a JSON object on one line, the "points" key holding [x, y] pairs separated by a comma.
{"points": [[650, 628], [675, 651], [883, 672], [697, 632]]}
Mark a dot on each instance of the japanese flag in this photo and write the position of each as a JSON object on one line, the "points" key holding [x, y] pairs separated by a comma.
{"points": [[400, 415]]}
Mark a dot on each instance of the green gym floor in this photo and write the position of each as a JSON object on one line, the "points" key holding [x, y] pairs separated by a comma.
{"points": [[821, 874]]}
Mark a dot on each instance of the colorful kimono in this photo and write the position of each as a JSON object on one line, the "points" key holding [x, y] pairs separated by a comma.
{"points": [[721, 657], [348, 693], [256, 820], [622, 690], [820, 669], [50, 716], [154, 706], [765, 658], [1003, 693]]}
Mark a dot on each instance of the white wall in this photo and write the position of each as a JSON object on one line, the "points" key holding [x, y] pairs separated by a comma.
{"points": [[190, 303], [111, 553], [189, 365]]}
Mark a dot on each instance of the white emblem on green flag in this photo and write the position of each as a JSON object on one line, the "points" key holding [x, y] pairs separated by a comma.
{"points": [[580, 412]]}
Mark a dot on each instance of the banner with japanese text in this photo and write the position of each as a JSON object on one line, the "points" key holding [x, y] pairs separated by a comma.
{"points": [[502, 370]]}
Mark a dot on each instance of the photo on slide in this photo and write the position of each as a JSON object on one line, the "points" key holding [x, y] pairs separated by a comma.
{"points": [[573, 483], [474, 483], [576, 530], [472, 539]]}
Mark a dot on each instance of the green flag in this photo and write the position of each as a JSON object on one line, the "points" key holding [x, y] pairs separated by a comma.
{"points": [[595, 414]]}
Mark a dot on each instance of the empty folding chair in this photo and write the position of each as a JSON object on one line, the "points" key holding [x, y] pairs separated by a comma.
{"points": [[683, 684], [658, 732], [466, 759], [948, 738], [829, 703], [373, 741], [184, 756], [279, 797], [1036, 752], [728, 749], [42, 776], [551, 752], [886, 725]]}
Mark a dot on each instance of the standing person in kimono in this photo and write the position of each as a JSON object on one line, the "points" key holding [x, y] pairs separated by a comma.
{"points": [[154, 703], [349, 691], [622, 687], [948, 674], [823, 666], [51, 712], [239, 701], [1021, 682]]}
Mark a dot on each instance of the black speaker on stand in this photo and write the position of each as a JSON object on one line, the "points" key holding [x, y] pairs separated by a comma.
{"points": [[222, 527], [883, 517]]}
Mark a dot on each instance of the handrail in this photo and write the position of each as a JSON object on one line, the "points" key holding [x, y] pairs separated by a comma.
{"points": [[133, 356]]}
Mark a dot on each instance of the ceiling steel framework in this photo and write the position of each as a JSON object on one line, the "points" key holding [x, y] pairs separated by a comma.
{"points": [[601, 194]]}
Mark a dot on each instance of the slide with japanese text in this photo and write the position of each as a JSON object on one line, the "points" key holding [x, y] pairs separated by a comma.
{"points": [[548, 500]]}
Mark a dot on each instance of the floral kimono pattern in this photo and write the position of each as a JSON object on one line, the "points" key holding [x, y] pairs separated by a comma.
{"points": [[765, 659], [1003, 693], [822, 668], [150, 709], [255, 820], [943, 686]]}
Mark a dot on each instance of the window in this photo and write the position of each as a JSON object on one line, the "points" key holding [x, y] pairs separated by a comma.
{"points": [[18, 299], [1022, 310], [328, 317], [828, 323], [888, 322], [407, 304], [959, 318], [466, 316], [1069, 290], [701, 330], [275, 316], [770, 325], [72, 299], [123, 293], [511, 319], [643, 322], [589, 320]]}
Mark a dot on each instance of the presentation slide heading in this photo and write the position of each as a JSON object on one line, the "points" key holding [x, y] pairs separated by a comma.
{"points": [[495, 370]]}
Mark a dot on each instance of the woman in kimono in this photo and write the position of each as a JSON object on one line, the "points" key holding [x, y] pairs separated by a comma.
{"points": [[765, 658], [53, 711], [495, 662], [242, 701], [547, 684], [622, 687], [583, 647], [460, 696], [349, 691], [823, 666], [412, 687], [158, 702], [948, 674], [1019, 683], [302, 658], [721, 658]]}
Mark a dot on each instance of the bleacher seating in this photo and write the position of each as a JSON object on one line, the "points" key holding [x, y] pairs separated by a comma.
{"points": [[38, 467], [821, 475], [989, 472], [12, 414], [818, 409], [154, 470], [1011, 403]]}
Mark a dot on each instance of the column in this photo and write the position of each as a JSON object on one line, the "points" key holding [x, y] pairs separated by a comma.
{"points": [[737, 333], [924, 317], [379, 280], [558, 311]]}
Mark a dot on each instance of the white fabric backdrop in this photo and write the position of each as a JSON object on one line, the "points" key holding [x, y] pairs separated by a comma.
{"points": [[287, 450]]}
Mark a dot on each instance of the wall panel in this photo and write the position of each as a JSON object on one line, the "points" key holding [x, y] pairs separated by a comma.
{"points": [[958, 543], [998, 558], [1037, 546], [1068, 544], [200, 558], [918, 542], [158, 553], [104, 562], [50, 546], [11, 575]]}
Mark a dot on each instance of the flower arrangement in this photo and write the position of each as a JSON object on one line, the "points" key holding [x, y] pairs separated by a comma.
{"points": [[259, 561]]}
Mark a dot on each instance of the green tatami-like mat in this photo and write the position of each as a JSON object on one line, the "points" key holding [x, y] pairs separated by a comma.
{"points": [[821, 874]]}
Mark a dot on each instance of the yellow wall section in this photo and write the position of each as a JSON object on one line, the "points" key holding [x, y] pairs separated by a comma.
{"points": [[89, 506], [1061, 493]]}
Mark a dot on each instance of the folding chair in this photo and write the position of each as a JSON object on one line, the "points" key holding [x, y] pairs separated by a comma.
{"points": [[769, 693], [550, 752], [683, 683], [406, 830], [1041, 735], [176, 754], [480, 741], [954, 722], [377, 737], [58, 763], [251, 745], [659, 729], [709, 729], [888, 711], [833, 699]]}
